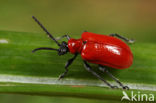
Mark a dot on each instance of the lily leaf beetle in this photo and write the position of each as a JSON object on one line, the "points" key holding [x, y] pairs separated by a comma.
{"points": [[104, 50]]}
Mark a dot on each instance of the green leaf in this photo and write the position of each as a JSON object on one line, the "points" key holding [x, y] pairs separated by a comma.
{"points": [[22, 71]]}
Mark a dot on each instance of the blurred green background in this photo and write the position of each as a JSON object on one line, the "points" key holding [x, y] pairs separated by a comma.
{"points": [[134, 18]]}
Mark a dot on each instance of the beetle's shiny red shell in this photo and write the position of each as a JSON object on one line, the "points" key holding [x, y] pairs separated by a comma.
{"points": [[105, 50]]}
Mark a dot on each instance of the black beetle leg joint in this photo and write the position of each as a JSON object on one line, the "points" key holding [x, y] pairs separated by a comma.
{"points": [[85, 31], [125, 87], [131, 41], [60, 77]]}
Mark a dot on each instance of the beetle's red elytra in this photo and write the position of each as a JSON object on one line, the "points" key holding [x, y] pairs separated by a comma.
{"points": [[104, 50]]}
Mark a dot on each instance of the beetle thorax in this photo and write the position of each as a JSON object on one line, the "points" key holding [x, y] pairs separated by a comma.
{"points": [[75, 45]]}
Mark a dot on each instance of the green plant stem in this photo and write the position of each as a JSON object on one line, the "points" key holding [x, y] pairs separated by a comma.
{"points": [[16, 59]]}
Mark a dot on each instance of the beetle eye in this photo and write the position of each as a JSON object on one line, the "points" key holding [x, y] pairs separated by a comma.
{"points": [[63, 48]]}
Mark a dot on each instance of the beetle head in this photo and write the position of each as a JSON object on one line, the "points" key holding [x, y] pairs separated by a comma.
{"points": [[63, 48]]}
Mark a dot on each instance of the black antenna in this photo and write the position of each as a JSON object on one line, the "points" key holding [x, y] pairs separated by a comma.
{"points": [[44, 48], [46, 30]]}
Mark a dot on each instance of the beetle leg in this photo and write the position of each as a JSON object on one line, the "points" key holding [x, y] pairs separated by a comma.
{"points": [[64, 36], [103, 69], [89, 69], [124, 38], [69, 62]]}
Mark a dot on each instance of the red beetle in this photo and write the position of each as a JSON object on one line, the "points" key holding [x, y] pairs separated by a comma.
{"points": [[106, 51]]}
